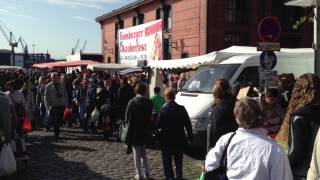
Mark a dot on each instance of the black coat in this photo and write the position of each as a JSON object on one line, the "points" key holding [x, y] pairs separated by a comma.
{"points": [[138, 117], [222, 120], [303, 129], [173, 121], [126, 93]]}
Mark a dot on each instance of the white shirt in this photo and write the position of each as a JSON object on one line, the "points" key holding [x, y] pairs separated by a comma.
{"points": [[251, 155]]}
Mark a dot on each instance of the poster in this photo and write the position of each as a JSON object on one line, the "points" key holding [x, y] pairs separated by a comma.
{"points": [[142, 42]]}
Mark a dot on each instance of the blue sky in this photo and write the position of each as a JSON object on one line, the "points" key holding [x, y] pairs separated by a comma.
{"points": [[56, 25]]}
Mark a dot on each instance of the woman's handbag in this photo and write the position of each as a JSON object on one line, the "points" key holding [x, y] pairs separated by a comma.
{"points": [[221, 172], [26, 126], [7, 161]]}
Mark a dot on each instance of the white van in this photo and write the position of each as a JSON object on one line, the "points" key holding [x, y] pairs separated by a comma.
{"points": [[196, 96]]}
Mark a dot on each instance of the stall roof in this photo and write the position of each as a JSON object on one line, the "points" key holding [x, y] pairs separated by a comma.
{"points": [[110, 66], [303, 3], [192, 62], [11, 67], [218, 56], [131, 70], [63, 64]]}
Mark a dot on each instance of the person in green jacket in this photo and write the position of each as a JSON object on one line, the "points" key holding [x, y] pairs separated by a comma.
{"points": [[158, 101]]}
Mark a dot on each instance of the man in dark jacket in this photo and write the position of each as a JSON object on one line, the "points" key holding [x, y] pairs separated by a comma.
{"points": [[173, 121], [303, 130], [138, 116], [90, 99], [126, 93]]}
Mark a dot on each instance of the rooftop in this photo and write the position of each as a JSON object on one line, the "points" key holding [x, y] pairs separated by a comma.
{"points": [[122, 10]]}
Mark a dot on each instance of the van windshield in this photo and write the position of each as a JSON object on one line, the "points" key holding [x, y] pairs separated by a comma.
{"points": [[203, 80]]}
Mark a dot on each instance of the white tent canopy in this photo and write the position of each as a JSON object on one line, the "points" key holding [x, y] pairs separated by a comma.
{"points": [[303, 3], [216, 57], [110, 67], [192, 62]]}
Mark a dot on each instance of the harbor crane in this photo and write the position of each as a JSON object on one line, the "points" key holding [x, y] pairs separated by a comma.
{"points": [[84, 46], [23, 45], [74, 50], [12, 43]]}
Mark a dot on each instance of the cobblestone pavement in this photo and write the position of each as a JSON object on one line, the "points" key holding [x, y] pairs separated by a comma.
{"points": [[88, 156]]}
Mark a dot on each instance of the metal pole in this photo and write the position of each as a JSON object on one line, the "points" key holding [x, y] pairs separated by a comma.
{"points": [[316, 39]]}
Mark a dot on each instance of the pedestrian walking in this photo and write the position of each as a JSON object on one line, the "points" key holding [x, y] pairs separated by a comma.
{"points": [[40, 101], [173, 124], [272, 112], [250, 154], [56, 101], [30, 102], [138, 116], [126, 93], [222, 117], [157, 101], [302, 119]]}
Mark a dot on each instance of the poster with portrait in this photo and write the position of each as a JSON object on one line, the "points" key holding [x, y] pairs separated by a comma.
{"points": [[142, 42]]}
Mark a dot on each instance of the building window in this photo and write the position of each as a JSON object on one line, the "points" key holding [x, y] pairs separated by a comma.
{"points": [[235, 38], [140, 18], [167, 48], [134, 21], [158, 13], [118, 25], [237, 11], [184, 55], [167, 18], [109, 59]]}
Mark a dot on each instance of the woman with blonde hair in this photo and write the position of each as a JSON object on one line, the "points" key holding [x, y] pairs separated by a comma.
{"points": [[302, 120]]}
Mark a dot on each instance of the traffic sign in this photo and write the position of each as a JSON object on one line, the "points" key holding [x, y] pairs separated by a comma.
{"points": [[268, 78], [268, 46], [268, 60], [269, 29]]}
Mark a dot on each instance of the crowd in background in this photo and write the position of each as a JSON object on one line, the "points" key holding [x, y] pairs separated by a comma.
{"points": [[249, 126]]}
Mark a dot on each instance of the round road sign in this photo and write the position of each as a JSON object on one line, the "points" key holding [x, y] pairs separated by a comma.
{"points": [[269, 29], [268, 60]]}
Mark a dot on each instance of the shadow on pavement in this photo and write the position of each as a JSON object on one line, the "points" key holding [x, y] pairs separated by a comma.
{"points": [[46, 162]]}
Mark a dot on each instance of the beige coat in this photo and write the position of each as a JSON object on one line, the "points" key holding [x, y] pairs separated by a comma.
{"points": [[314, 170]]}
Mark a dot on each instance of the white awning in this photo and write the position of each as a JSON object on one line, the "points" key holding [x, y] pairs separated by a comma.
{"points": [[192, 62], [110, 67], [302, 3]]}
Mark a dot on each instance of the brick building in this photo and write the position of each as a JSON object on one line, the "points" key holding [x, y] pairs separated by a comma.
{"points": [[196, 27]]}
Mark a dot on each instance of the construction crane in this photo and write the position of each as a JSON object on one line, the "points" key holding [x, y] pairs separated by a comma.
{"points": [[23, 45], [74, 50], [84, 46], [12, 42]]}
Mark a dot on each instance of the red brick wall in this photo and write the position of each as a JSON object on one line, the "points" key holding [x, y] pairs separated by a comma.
{"points": [[188, 26]]}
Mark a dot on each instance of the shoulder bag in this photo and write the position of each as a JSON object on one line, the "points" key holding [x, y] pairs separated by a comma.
{"points": [[221, 172]]}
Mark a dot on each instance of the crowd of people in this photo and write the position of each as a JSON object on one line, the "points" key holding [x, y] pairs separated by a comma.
{"points": [[244, 131]]}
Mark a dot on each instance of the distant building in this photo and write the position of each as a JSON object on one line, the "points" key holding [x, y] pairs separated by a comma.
{"points": [[23, 60], [196, 27], [85, 56]]}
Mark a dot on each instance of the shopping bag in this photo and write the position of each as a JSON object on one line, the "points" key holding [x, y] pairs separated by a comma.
{"points": [[124, 131], [67, 115], [7, 161], [201, 176], [95, 115], [26, 126]]}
